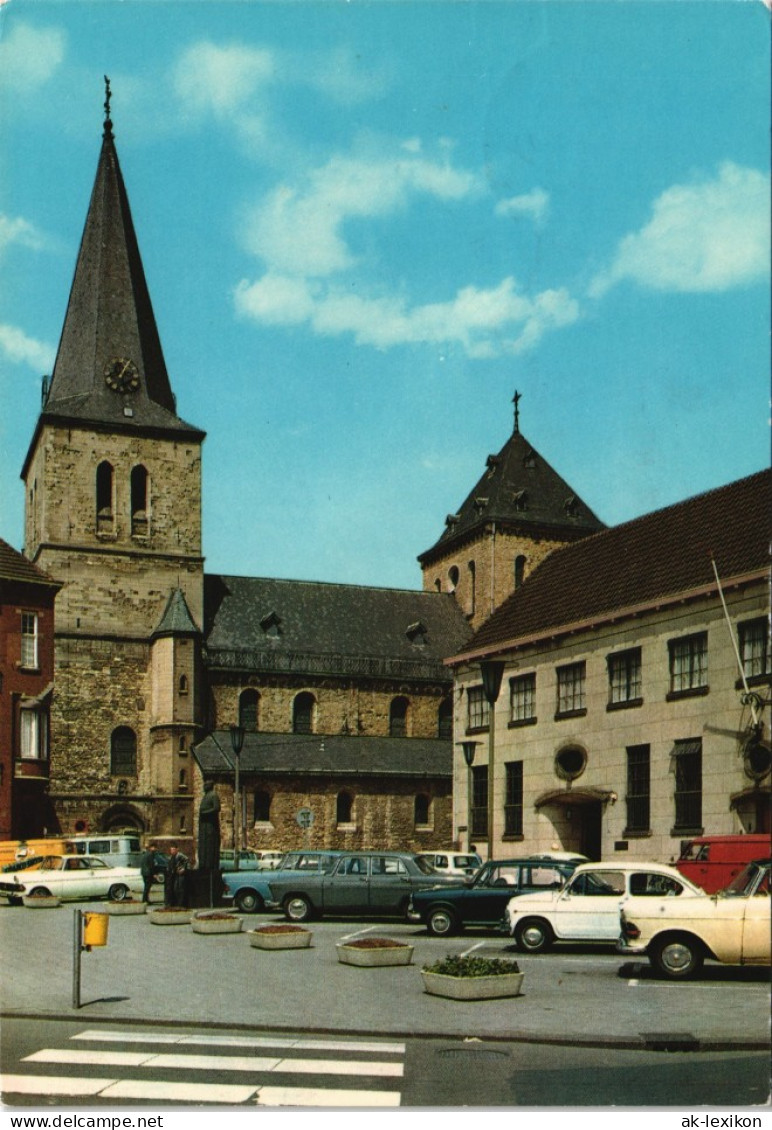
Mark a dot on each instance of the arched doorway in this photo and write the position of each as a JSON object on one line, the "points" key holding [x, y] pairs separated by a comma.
{"points": [[121, 818], [577, 817]]}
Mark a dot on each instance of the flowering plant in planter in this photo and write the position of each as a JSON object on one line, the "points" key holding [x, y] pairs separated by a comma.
{"points": [[374, 952], [282, 936], [216, 922], [469, 978]]}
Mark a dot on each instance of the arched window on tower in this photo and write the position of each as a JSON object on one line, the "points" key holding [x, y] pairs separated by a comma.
{"points": [[104, 498], [123, 752], [248, 709], [139, 506], [472, 590], [421, 808], [519, 570], [343, 807], [303, 713], [445, 720], [398, 717], [453, 578], [262, 806]]}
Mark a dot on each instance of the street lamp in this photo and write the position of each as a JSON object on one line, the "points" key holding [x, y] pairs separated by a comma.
{"points": [[237, 742], [469, 748], [492, 671]]}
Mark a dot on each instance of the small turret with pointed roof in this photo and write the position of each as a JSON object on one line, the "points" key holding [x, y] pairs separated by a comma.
{"points": [[520, 507], [110, 369]]}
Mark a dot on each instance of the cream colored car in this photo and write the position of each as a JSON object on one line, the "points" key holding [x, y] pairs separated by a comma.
{"points": [[732, 926]]}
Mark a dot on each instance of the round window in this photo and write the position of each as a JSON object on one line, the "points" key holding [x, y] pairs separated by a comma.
{"points": [[758, 760], [570, 763]]}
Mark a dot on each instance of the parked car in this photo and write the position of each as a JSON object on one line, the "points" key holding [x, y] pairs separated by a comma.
{"points": [[587, 908], [33, 863], [121, 849], [713, 861], [732, 926], [75, 877], [250, 890], [363, 882], [452, 862], [270, 860], [483, 900], [247, 860]]}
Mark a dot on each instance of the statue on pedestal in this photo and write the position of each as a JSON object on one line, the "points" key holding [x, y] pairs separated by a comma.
{"points": [[209, 830]]}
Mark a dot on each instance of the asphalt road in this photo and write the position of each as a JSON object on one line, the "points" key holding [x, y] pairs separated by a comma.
{"points": [[51, 1063]]}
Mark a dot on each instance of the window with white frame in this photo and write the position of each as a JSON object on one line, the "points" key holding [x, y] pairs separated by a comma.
{"points": [[29, 639], [755, 648], [571, 688], [688, 663], [522, 698], [33, 734], [624, 676], [478, 709]]}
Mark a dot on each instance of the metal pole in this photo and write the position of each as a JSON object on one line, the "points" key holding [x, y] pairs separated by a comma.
{"points": [[237, 813], [76, 952], [491, 795], [469, 808]]}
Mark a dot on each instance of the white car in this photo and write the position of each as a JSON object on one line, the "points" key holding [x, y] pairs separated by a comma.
{"points": [[269, 860], [75, 877], [452, 862], [587, 908], [732, 926]]}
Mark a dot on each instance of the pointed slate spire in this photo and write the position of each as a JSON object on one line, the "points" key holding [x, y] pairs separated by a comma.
{"points": [[177, 619], [110, 366], [518, 489]]}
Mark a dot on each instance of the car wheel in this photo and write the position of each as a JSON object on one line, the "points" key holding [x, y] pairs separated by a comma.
{"points": [[118, 892], [442, 923], [40, 891], [297, 908], [249, 902], [677, 956], [533, 935]]}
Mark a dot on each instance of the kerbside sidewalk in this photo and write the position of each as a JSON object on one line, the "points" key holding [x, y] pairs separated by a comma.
{"points": [[169, 975]]}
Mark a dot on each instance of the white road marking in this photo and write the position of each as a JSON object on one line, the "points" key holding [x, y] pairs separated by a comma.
{"points": [[93, 1059], [358, 933], [341, 1067], [98, 1035], [471, 949], [300, 1096], [82, 1057], [179, 1092], [51, 1085]]}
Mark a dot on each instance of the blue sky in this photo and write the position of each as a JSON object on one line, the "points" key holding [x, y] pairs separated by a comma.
{"points": [[364, 225]]}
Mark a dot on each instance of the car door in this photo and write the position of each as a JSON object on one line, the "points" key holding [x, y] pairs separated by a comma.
{"points": [[589, 906], [484, 903], [77, 879], [390, 884], [345, 890], [756, 925]]}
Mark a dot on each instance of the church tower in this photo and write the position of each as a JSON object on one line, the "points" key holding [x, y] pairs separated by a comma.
{"points": [[113, 512], [518, 512]]}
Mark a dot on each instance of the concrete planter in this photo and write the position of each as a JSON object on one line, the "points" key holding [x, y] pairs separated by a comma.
{"points": [[372, 953], [127, 906], [280, 938], [472, 988], [216, 924], [170, 916], [41, 902]]}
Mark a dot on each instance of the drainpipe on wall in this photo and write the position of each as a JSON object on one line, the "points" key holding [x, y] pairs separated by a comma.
{"points": [[493, 567]]}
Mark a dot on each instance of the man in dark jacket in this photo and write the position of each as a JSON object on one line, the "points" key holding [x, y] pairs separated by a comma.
{"points": [[176, 885], [149, 866]]}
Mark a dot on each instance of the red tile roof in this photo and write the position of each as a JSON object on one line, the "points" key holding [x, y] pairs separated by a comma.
{"points": [[639, 564], [14, 566]]}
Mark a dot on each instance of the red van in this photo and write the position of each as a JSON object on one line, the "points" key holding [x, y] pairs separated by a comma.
{"points": [[713, 861]]}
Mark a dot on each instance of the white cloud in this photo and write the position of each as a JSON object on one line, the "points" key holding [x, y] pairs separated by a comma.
{"points": [[15, 229], [484, 322], [342, 76], [30, 56], [533, 204], [707, 236], [300, 230], [21, 349], [212, 79]]}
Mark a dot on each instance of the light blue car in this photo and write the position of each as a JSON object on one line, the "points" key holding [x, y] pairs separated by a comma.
{"points": [[250, 889]]}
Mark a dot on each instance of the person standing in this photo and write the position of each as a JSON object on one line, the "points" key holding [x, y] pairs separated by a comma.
{"points": [[148, 866], [176, 885]]}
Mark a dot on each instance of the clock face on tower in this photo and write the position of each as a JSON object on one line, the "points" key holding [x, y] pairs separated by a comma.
{"points": [[121, 375]]}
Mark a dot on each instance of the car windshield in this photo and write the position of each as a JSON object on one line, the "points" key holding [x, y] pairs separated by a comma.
{"points": [[423, 866], [752, 879]]}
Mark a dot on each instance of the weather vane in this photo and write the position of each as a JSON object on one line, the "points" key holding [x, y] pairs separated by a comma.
{"points": [[108, 96], [516, 401]]}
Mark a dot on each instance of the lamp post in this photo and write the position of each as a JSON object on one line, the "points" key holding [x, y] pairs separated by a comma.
{"points": [[492, 671], [469, 748], [237, 742]]}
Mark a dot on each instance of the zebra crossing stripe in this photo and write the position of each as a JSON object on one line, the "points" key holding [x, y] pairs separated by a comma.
{"points": [[183, 1062], [382, 1047], [318, 1096], [52, 1085]]}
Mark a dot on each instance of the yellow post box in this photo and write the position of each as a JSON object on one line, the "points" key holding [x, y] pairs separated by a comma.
{"points": [[95, 929]]}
